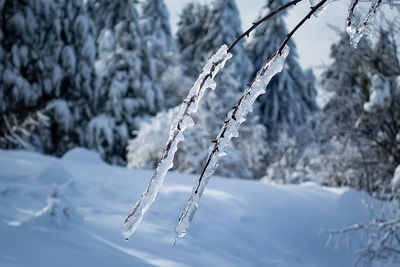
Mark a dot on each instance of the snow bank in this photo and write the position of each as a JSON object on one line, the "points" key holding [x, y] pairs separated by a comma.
{"points": [[67, 212]]}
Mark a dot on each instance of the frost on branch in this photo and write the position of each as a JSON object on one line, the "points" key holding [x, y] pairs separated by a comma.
{"points": [[356, 26], [380, 236], [182, 121], [230, 129]]}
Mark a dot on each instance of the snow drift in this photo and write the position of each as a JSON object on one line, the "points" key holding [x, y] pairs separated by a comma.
{"points": [[67, 212]]}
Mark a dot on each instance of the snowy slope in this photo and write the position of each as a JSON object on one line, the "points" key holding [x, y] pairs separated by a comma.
{"points": [[68, 212]]}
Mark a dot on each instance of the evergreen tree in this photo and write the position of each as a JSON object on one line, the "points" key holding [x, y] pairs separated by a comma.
{"points": [[223, 26], [162, 59], [347, 80], [126, 92], [140, 75], [49, 56], [337, 158], [108, 13], [75, 33], [291, 97], [191, 30], [358, 126], [212, 27], [24, 63]]}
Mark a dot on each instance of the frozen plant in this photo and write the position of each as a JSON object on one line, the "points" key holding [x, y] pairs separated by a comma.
{"points": [[230, 128], [182, 121], [381, 235]]}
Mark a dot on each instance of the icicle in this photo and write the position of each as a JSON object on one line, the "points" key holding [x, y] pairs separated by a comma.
{"points": [[357, 32], [182, 121], [229, 130], [363, 28], [321, 10], [363, 25]]}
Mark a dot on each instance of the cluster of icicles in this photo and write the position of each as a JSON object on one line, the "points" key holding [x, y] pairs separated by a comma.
{"points": [[356, 27], [184, 120], [357, 23]]}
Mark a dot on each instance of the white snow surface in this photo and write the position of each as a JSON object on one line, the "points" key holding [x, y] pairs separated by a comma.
{"points": [[67, 212]]}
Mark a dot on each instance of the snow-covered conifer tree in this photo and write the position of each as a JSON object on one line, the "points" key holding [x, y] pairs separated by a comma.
{"points": [[223, 26], [162, 60], [24, 65], [126, 92], [358, 125], [75, 32], [213, 27], [49, 60], [140, 74], [191, 31], [107, 13], [291, 97], [347, 80], [201, 31], [336, 158]]}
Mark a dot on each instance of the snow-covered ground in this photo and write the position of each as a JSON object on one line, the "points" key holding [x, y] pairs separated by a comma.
{"points": [[68, 212]]}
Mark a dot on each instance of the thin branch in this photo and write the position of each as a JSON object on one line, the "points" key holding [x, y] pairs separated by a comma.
{"points": [[351, 13], [255, 24], [308, 16]]}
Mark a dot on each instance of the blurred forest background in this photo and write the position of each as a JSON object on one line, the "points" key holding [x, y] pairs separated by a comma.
{"points": [[109, 75]]}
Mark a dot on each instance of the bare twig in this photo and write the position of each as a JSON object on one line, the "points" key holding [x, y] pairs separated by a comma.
{"points": [[308, 16], [265, 18], [351, 13]]}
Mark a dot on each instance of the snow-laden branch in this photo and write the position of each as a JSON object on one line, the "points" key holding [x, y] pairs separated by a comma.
{"points": [[230, 129], [182, 121]]}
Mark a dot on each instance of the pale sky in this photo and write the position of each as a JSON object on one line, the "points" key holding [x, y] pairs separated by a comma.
{"points": [[313, 39]]}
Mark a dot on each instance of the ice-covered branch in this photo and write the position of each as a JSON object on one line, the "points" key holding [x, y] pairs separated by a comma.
{"points": [[182, 121], [360, 30], [230, 129], [356, 32], [235, 118]]}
